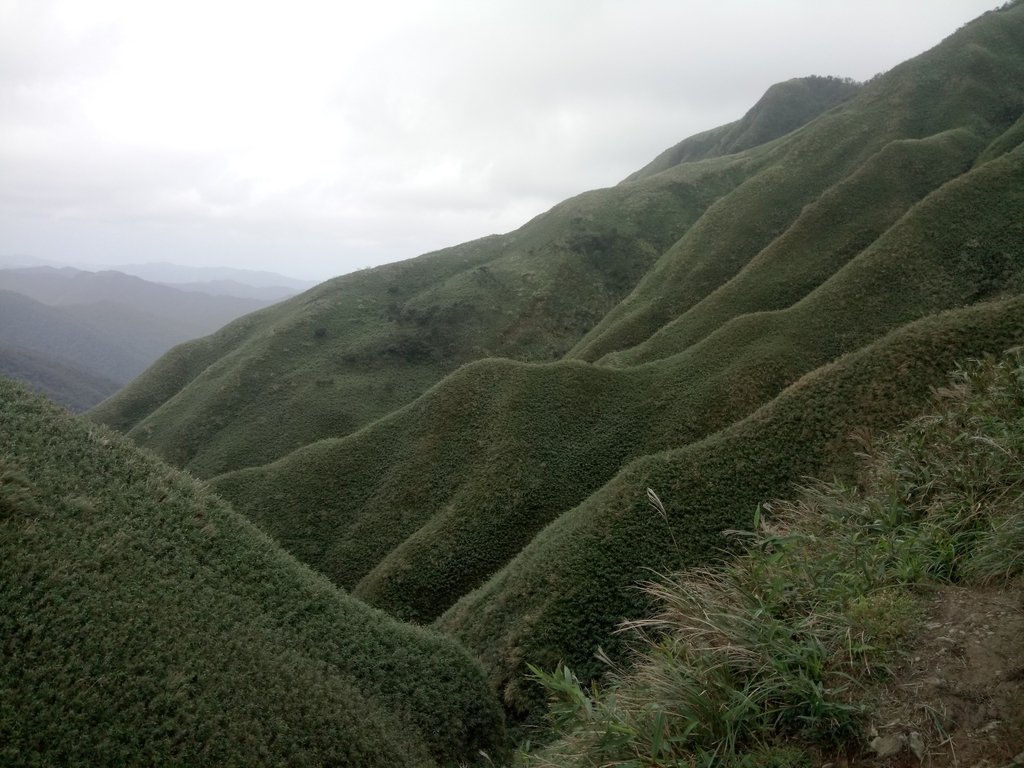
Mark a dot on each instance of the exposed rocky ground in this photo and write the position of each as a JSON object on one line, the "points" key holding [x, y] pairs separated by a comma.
{"points": [[958, 699]]}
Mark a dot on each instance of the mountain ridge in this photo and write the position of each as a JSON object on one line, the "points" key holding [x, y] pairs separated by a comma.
{"points": [[713, 329], [783, 108]]}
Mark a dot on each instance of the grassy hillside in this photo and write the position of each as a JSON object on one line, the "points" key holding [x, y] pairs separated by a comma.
{"points": [[69, 385], [145, 622], [422, 506], [783, 108], [602, 272], [362, 345], [713, 329], [563, 595], [776, 658], [970, 83], [353, 349]]}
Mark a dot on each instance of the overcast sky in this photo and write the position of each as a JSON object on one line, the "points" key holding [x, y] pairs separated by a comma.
{"points": [[313, 138]]}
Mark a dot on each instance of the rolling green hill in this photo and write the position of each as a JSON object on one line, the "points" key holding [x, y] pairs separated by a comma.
{"points": [[563, 595], [353, 349], [70, 385], [145, 622], [714, 328], [795, 650], [423, 505]]}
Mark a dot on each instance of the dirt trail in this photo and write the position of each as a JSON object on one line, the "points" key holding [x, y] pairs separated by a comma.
{"points": [[958, 699]]}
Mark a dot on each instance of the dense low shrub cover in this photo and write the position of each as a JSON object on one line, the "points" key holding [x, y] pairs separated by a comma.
{"points": [[421, 507], [746, 664], [145, 622], [562, 597], [684, 330]]}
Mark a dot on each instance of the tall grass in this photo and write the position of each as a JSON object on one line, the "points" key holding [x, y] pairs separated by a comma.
{"points": [[744, 664]]}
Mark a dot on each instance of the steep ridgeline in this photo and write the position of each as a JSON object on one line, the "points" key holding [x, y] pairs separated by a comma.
{"points": [[827, 194], [353, 349], [783, 108], [144, 622], [767, 303]]}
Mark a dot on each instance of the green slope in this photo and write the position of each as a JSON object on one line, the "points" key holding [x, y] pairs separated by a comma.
{"points": [[790, 652], [388, 334], [64, 383], [353, 349], [599, 273], [145, 622], [562, 597], [844, 221], [971, 82], [679, 331], [783, 108], [421, 507]]}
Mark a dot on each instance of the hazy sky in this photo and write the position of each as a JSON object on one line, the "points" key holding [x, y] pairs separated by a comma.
{"points": [[313, 138]]}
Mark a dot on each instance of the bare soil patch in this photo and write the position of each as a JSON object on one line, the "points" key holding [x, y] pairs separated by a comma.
{"points": [[958, 698]]}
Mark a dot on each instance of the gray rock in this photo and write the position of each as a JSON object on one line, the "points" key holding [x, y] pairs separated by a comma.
{"points": [[887, 746]]}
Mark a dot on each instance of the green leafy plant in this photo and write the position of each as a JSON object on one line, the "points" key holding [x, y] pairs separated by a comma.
{"points": [[771, 649]]}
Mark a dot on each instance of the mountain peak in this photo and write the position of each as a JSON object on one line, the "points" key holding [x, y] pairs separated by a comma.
{"points": [[783, 108]]}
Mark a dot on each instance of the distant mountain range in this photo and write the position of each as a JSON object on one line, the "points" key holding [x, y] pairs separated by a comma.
{"points": [[177, 274], [78, 336], [59, 379], [220, 281]]}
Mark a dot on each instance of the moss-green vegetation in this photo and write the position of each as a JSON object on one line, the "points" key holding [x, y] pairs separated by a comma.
{"points": [[970, 82], [145, 622], [783, 108], [772, 651], [564, 594], [714, 330], [423, 506], [776, 217], [351, 350], [843, 222]]}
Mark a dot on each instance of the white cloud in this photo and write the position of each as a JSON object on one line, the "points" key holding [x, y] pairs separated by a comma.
{"points": [[318, 137]]}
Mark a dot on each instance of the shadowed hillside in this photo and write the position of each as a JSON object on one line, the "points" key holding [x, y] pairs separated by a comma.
{"points": [[70, 385], [714, 328], [145, 622], [108, 326]]}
